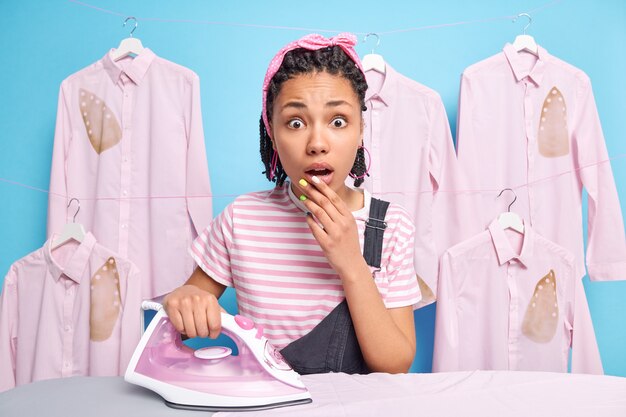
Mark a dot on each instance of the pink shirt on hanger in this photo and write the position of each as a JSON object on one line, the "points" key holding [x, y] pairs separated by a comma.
{"points": [[512, 302], [73, 310], [531, 124], [129, 145], [413, 164]]}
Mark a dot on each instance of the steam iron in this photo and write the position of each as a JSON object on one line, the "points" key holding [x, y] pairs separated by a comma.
{"points": [[212, 378]]}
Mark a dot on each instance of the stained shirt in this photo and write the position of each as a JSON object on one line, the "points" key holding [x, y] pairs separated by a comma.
{"points": [[413, 164], [262, 246], [73, 310], [129, 144], [512, 302], [531, 124]]}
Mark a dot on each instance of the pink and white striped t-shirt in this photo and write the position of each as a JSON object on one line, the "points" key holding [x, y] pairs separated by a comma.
{"points": [[262, 246]]}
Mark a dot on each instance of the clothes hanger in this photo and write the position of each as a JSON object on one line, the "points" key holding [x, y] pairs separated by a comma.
{"points": [[525, 42], [70, 231], [373, 61], [128, 46], [509, 219]]}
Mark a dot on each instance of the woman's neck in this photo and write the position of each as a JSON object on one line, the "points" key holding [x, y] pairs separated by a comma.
{"points": [[354, 199]]}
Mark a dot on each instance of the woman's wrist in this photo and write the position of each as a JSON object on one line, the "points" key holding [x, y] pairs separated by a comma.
{"points": [[355, 272]]}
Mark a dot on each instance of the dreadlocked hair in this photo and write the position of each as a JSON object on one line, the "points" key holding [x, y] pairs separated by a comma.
{"points": [[267, 153], [332, 60], [359, 169]]}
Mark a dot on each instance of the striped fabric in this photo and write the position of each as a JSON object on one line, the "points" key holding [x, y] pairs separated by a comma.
{"points": [[262, 246]]}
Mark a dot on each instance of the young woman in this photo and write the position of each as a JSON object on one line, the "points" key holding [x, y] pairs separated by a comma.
{"points": [[294, 254]]}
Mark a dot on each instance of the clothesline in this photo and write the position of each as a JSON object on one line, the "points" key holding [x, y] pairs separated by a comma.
{"points": [[216, 23], [215, 196], [305, 29]]}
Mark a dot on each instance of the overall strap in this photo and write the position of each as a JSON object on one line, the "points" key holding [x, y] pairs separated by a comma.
{"points": [[332, 345], [374, 231]]}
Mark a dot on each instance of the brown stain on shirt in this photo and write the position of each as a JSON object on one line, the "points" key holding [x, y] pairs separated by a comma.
{"points": [[542, 315], [553, 138], [427, 294], [105, 301], [103, 129]]}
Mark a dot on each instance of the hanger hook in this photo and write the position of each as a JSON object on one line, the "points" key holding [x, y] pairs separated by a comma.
{"points": [[377, 39], [135, 28], [514, 200], [77, 210], [530, 20]]}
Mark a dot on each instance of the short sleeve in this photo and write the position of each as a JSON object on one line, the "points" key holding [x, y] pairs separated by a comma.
{"points": [[211, 249], [402, 287]]}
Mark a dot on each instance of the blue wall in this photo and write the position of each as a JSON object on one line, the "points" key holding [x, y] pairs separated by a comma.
{"points": [[42, 42]]}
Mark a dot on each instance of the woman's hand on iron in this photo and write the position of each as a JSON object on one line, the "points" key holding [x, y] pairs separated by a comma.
{"points": [[338, 234], [194, 312]]}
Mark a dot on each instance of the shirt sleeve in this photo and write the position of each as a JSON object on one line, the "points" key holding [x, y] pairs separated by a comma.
{"points": [[465, 142], [403, 289], [8, 324], [131, 330], [468, 158], [198, 192], [606, 247], [211, 249], [453, 211], [585, 353], [446, 345], [57, 199]]}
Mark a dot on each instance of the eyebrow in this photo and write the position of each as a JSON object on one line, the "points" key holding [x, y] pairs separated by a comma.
{"points": [[300, 105], [336, 103], [294, 104]]}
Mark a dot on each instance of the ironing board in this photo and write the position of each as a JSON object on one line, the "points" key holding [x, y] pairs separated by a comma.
{"points": [[478, 393], [460, 394], [86, 397]]}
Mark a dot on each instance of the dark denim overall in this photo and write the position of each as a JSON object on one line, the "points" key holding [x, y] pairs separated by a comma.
{"points": [[332, 345]]}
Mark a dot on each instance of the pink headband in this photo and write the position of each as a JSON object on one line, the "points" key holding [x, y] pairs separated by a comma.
{"points": [[313, 42]]}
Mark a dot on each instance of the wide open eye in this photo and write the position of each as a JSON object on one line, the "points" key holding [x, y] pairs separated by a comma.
{"points": [[295, 124], [339, 122]]}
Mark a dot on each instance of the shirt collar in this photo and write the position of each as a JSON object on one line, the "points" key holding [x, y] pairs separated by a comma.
{"points": [[385, 94], [503, 247], [135, 70], [520, 69], [76, 264]]}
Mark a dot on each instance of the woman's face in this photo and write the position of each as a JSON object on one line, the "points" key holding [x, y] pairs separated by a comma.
{"points": [[316, 126]]}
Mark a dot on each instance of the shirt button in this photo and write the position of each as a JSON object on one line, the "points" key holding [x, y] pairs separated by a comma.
{"points": [[123, 226], [125, 192], [68, 328], [66, 365]]}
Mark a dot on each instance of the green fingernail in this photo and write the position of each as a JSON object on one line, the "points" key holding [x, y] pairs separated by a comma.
{"points": [[302, 197]]}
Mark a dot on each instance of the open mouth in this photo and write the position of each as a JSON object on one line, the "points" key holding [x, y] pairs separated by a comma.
{"points": [[319, 172]]}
